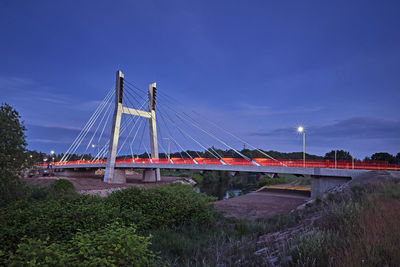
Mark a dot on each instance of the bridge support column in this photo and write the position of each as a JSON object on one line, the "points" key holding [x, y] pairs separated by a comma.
{"points": [[154, 176], [119, 176], [111, 175], [321, 184], [112, 150], [150, 175]]}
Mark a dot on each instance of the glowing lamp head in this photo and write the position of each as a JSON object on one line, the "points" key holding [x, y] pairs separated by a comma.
{"points": [[300, 129], [52, 152], [93, 145]]}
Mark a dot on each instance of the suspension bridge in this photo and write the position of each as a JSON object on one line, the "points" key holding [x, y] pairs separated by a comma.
{"points": [[114, 139]]}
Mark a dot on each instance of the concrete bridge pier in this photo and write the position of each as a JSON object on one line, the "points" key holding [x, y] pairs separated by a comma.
{"points": [[151, 175], [119, 176], [321, 184]]}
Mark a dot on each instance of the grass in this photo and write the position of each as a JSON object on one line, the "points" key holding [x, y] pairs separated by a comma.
{"points": [[359, 231]]}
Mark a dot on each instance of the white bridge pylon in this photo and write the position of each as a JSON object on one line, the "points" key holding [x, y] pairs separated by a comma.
{"points": [[116, 176]]}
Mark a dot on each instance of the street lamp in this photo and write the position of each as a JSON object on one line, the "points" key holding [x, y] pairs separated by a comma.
{"points": [[52, 154], [301, 130]]}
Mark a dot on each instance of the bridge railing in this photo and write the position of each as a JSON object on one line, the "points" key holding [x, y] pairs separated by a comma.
{"points": [[339, 164]]}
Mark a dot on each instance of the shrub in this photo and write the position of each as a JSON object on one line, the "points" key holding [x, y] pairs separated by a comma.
{"points": [[197, 177], [33, 252], [37, 192], [62, 188], [162, 206], [57, 218], [271, 181], [12, 187], [114, 245]]}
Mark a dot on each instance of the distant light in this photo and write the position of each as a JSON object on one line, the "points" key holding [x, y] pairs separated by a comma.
{"points": [[52, 152], [300, 129], [93, 145], [30, 156]]}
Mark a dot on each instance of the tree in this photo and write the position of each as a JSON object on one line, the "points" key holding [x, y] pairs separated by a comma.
{"points": [[12, 153], [398, 158], [340, 155], [383, 156]]}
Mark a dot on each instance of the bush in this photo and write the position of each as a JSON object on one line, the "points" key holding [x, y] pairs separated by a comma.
{"points": [[57, 218], [197, 177], [47, 221], [12, 187], [166, 206], [37, 192], [62, 188], [271, 181], [114, 245]]}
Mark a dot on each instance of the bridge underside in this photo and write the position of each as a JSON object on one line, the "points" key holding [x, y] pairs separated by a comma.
{"points": [[346, 173], [321, 179]]}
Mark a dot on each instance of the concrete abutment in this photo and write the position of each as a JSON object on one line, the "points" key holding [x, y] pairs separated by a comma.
{"points": [[321, 184]]}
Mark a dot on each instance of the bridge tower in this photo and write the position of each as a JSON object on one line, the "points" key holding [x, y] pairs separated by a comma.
{"points": [[117, 176]]}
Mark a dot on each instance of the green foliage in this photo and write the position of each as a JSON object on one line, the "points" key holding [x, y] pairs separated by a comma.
{"points": [[162, 206], [62, 188], [175, 173], [340, 155], [34, 252], [197, 177], [273, 224], [60, 216], [57, 218], [342, 217], [216, 183], [12, 142], [311, 248], [111, 246], [37, 192], [12, 157], [12, 187], [390, 191], [271, 181], [383, 156]]}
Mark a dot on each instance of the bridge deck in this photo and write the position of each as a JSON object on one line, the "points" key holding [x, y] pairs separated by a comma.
{"points": [[232, 168]]}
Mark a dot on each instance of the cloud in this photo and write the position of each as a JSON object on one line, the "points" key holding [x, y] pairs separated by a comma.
{"points": [[14, 83], [356, 127], [360, 127], [46, 141], [262, 110]]}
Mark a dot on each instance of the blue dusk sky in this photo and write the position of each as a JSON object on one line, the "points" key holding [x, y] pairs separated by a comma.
{"points": [[256, 68]]}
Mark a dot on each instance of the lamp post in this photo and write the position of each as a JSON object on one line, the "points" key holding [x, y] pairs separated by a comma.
{"points": [[52, 155], [301, 130]]}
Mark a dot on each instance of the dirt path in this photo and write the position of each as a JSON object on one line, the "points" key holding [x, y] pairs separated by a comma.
{"points": [[260, 204]]}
